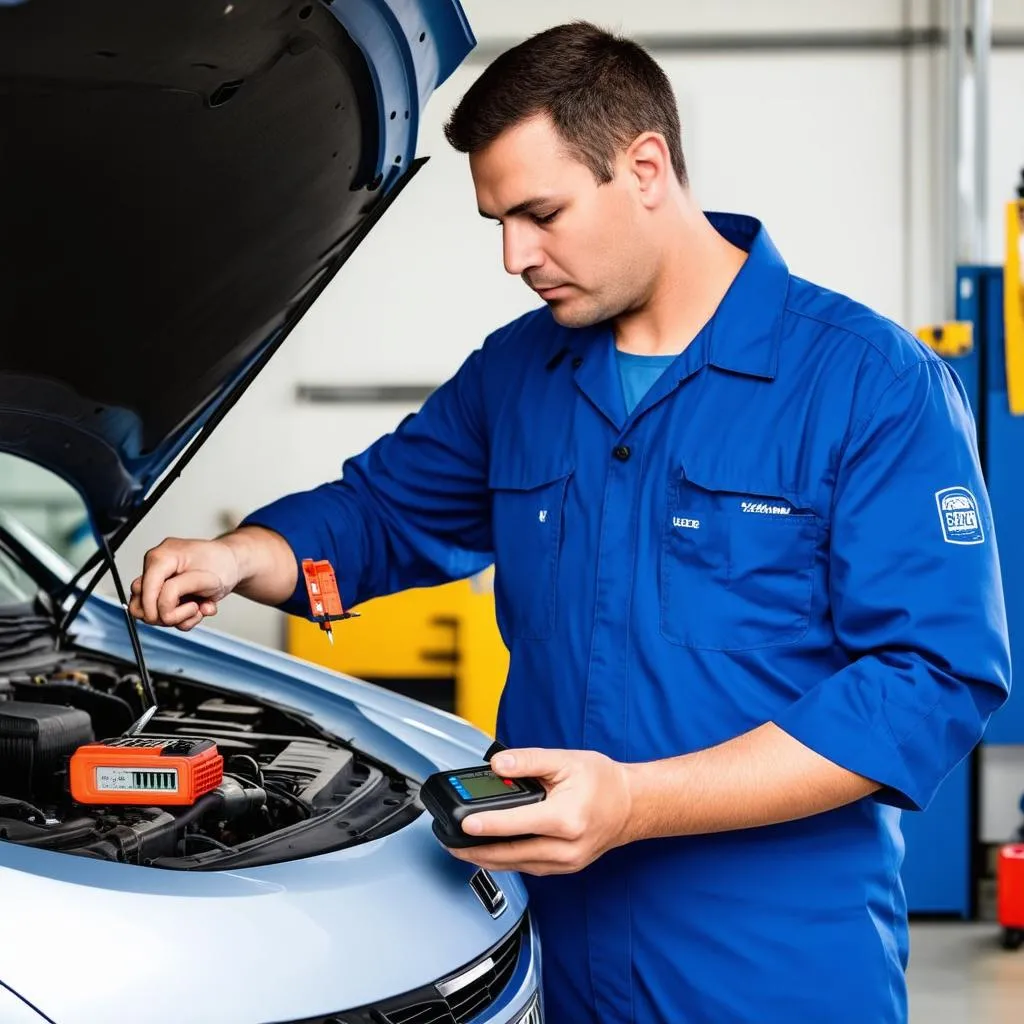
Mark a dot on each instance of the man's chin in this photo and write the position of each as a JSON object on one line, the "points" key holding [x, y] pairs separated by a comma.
{"points": [[569, 313]]}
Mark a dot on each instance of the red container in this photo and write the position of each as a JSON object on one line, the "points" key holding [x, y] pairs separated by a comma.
{"points": [[1010, 886]]}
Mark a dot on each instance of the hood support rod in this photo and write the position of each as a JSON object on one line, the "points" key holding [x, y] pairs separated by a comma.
{"points": [[133, 632]]}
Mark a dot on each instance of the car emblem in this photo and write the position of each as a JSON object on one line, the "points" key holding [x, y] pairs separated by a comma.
{"points": [[489, 893]]}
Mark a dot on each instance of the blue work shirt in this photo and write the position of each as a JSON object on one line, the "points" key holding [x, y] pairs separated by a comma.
{"points": [[790, 526]]}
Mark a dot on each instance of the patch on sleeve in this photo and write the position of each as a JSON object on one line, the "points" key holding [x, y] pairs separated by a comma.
{"points": [[958, 513]]}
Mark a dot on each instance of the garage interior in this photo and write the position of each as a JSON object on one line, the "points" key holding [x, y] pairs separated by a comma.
{"points": [[882, 145]]}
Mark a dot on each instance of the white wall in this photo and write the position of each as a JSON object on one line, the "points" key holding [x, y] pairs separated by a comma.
{"points": [[835, 150], [513, 21], [1006, 148]]}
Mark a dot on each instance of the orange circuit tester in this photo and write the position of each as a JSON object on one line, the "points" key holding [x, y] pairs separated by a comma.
{"points": [[324, 599]]}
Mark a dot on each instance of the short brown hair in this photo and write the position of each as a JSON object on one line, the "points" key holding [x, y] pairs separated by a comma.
{"points": [[601, 91]]}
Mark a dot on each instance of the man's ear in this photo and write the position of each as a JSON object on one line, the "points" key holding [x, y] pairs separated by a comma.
{"points": [[650, 164]]}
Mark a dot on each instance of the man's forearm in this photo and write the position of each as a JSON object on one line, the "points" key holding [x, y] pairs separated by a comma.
{"points": [[760, 778], [267, 569]]}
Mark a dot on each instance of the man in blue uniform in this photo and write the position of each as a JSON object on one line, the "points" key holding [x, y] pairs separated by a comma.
{"points": [[745, 568]]}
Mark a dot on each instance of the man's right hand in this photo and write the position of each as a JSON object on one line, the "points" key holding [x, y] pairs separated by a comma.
{"points": [[183, 581]]}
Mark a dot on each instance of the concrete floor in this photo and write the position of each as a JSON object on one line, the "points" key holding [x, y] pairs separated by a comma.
{"points": [[959, 974]]}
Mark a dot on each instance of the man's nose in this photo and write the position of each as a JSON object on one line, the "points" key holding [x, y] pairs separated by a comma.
{"points": [[521, 253]]}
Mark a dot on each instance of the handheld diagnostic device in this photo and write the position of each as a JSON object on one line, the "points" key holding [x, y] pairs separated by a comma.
{"points": [[451, 797]]}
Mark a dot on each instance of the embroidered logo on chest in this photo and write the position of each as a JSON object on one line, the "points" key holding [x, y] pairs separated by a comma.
{"points": [[685, 524], [764, 508]]}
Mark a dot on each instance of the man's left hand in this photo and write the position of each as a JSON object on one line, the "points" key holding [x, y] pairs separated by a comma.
{"points": [[586, 813]]}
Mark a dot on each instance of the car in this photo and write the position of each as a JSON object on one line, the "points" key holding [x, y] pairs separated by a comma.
{"points": [[181, 181]]}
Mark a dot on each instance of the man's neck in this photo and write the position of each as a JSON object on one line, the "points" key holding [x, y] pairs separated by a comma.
{"points": [[696, 272]]}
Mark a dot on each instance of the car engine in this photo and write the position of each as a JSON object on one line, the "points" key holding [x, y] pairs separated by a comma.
{"points": [[284, 789]]}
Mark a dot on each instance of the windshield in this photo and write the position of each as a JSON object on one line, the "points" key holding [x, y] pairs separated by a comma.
{"points": [[42, 513], [16, 586]]}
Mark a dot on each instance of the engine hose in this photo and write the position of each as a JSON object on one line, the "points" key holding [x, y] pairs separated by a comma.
{"points": [[158, 830], [205, 804], [101, 850], [19, 809], [48, 835], [131, 843]]}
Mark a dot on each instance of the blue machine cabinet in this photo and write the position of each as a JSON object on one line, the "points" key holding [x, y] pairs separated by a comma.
{"points": [[938, 875], [1002, 448]]}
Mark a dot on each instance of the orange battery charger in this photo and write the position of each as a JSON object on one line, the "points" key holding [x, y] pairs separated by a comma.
{"points": [[150, 770]]}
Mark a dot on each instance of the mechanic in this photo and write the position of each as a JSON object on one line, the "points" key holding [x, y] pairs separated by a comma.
{"points": [[745, 567]]}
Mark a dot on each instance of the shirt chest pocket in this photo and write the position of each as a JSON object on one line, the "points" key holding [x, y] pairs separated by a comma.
{"points": [[737, 562], [528, 517]]}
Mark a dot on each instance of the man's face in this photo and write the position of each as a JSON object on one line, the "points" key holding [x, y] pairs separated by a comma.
{"points": [[578, 244]]}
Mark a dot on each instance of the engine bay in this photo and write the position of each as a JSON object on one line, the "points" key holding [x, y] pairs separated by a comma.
{"points": [[275, 786]]}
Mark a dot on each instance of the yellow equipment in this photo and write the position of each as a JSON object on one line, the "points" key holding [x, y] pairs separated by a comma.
{"points": [[440, 645], [950, 339], [1013, 303], [955, 338]]}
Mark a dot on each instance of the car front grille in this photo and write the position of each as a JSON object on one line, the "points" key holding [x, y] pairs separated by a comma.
{"points": [[454, 999], [469, 992], [533, 1014]]}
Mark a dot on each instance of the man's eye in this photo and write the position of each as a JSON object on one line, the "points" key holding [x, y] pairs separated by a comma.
{"points": [[547, 218]]}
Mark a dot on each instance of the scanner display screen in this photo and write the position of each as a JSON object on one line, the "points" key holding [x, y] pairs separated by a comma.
{"points": [[484, 785]]}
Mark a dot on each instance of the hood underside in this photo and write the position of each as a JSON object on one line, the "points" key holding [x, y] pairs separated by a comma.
{"points": [[179, 180]]}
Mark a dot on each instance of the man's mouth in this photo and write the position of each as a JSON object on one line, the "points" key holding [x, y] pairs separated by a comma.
{"points": [[550, 292]]}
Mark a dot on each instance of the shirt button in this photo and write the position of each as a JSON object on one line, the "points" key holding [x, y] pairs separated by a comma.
{"points": [[621, 452]]}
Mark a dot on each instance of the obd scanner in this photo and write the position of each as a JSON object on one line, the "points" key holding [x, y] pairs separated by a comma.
{"points": [[452, 796]]}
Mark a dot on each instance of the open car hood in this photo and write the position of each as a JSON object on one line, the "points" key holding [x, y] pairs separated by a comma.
{"points": [[180, 179]]}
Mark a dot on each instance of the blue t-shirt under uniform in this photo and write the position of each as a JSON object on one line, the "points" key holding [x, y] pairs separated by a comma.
{"points": [[638, 374]]}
